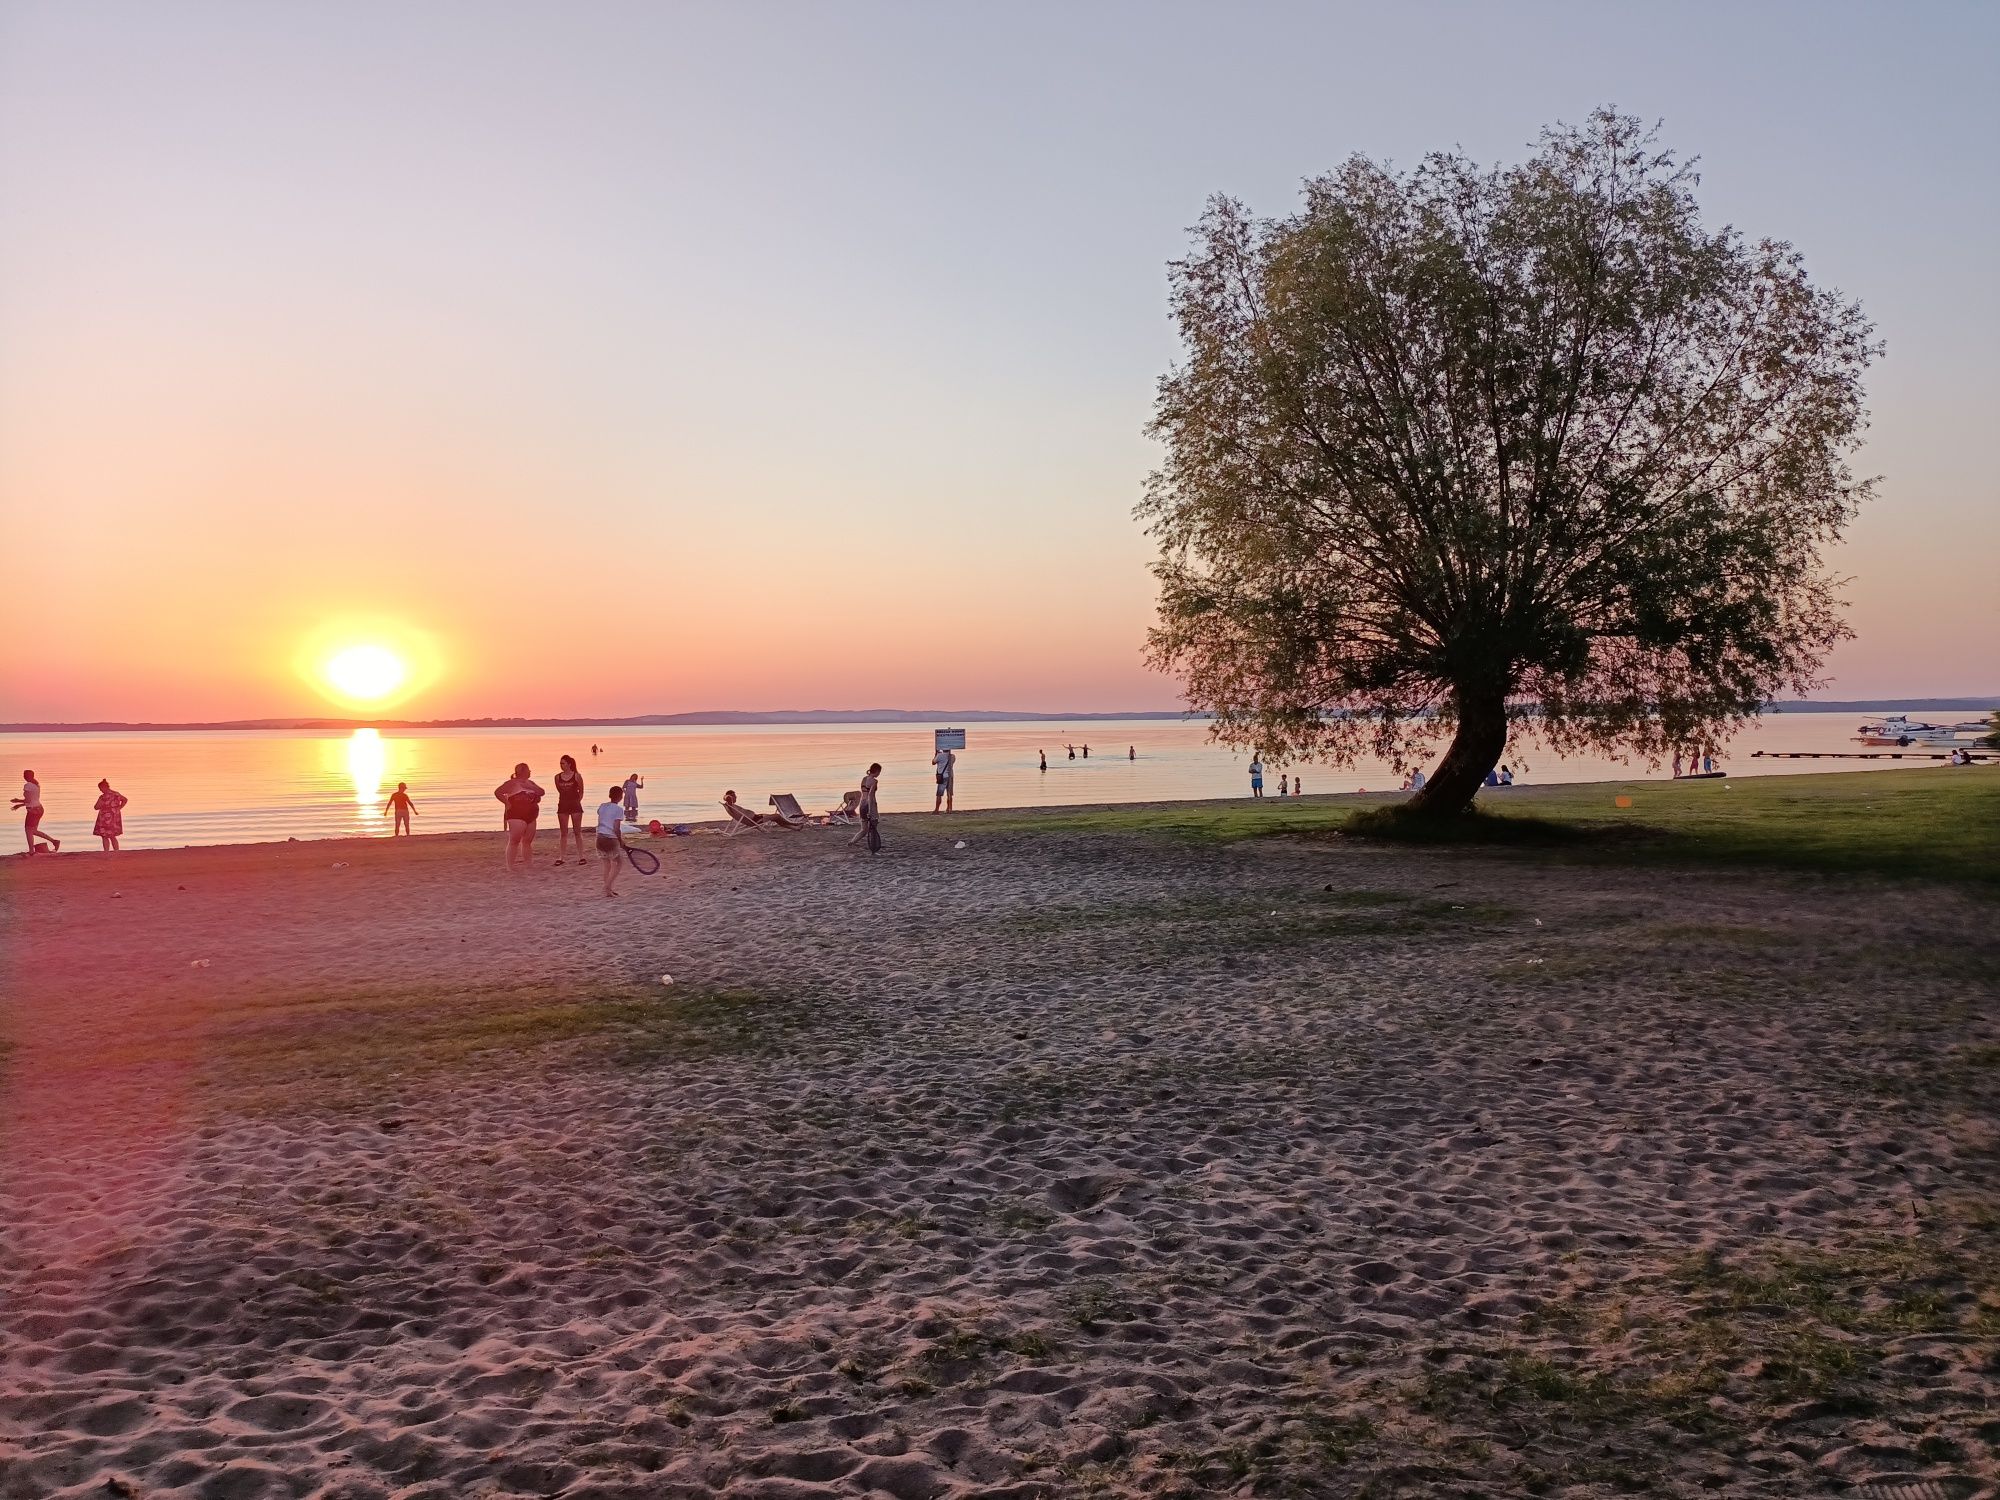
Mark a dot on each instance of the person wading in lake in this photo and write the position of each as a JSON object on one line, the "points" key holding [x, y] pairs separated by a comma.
{"points": [[523, 801], [30, 803], [569, 808], [110, 825]]}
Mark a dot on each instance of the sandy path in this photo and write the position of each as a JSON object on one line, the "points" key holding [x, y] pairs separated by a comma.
{"points": [[1061, 1165]]}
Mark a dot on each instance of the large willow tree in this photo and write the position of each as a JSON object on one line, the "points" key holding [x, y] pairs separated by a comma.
{"points": [[1458, 446]]}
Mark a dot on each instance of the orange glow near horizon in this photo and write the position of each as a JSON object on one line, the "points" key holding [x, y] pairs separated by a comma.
{"points": [[460, 376], [368, 663], [366, 673]]}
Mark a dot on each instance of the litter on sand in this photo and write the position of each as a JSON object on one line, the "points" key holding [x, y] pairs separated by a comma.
{"points": [[197, 963], [959, 845], [667, 979]]}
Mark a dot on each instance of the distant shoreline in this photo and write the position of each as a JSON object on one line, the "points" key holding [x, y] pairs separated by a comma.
{"points": [[747, 717], [752, 717]]}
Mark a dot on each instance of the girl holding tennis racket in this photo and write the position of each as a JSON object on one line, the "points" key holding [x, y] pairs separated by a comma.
{"points": [[610, 846]]}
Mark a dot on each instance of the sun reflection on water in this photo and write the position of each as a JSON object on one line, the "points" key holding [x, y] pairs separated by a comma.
{"points": [[367, 762]]}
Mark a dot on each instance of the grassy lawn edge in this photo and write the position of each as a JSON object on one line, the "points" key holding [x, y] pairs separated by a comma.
{"points": [[1940, 825]]}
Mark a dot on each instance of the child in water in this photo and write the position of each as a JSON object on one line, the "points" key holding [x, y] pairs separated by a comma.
{"points": [[400, 800]]}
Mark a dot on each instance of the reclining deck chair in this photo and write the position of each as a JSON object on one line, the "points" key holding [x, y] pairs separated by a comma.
{"points": [[788, 812], [741, 818]]}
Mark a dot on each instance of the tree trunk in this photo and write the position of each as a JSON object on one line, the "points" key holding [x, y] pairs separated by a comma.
{"points": [[1475, 750]]}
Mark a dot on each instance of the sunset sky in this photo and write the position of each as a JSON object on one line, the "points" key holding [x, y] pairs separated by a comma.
{"points": [[629, 358]]}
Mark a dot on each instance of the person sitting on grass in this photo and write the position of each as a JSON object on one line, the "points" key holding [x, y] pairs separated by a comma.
{"points": [[610, 840]]}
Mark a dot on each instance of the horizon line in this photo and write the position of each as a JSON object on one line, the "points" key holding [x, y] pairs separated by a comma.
{"points": [[700, 717], [694, 717]]}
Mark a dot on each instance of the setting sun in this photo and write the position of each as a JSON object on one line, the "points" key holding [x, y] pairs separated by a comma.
{"points": [[367, 673], [367, 662]]}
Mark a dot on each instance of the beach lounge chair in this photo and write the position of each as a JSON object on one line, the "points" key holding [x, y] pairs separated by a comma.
{"points": [[741, 818], [787, 811], [849, 811]]}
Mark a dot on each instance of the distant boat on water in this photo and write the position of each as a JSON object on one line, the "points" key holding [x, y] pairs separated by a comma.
{"points": [[1901, 729]]}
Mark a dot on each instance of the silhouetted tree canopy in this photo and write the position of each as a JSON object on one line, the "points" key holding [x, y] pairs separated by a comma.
{"points": [[1455, 446]]}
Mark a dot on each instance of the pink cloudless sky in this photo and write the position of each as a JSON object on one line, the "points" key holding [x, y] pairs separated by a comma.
{"points": [[648, 358]]}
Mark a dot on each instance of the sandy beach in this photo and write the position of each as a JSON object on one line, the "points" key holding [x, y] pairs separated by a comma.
{"points": [[1067, 1163]]}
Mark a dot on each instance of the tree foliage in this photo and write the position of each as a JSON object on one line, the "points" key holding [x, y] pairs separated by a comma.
{"points": [[1457, 446]]}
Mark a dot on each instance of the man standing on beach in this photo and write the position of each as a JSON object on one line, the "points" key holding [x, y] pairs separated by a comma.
{"points": [[1256, 776], [947, 766]]}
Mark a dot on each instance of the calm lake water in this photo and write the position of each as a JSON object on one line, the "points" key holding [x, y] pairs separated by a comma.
{"points": [[234, 787]]}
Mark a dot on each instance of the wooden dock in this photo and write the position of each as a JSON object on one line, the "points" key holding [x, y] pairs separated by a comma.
{"points": [[1907, 754]]}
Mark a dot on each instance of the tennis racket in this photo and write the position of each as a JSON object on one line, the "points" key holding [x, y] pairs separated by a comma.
{"points": [[645, 861]]}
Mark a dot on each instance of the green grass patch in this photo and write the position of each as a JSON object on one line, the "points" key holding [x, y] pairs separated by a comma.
{"points": [[1723, 1350], [1938, 824], [1935, 825], [1178, 926], [349, 1049], [1886, 1288]]}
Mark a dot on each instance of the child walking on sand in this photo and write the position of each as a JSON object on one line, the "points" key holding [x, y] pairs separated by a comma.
{"points": [[610, 853], [400, 801]]}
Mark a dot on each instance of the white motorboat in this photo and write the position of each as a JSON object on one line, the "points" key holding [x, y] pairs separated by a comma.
{"points": [[1901, 729]]}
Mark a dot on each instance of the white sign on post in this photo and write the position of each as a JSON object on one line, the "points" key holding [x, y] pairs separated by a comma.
{"points": [[948, 739]]}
